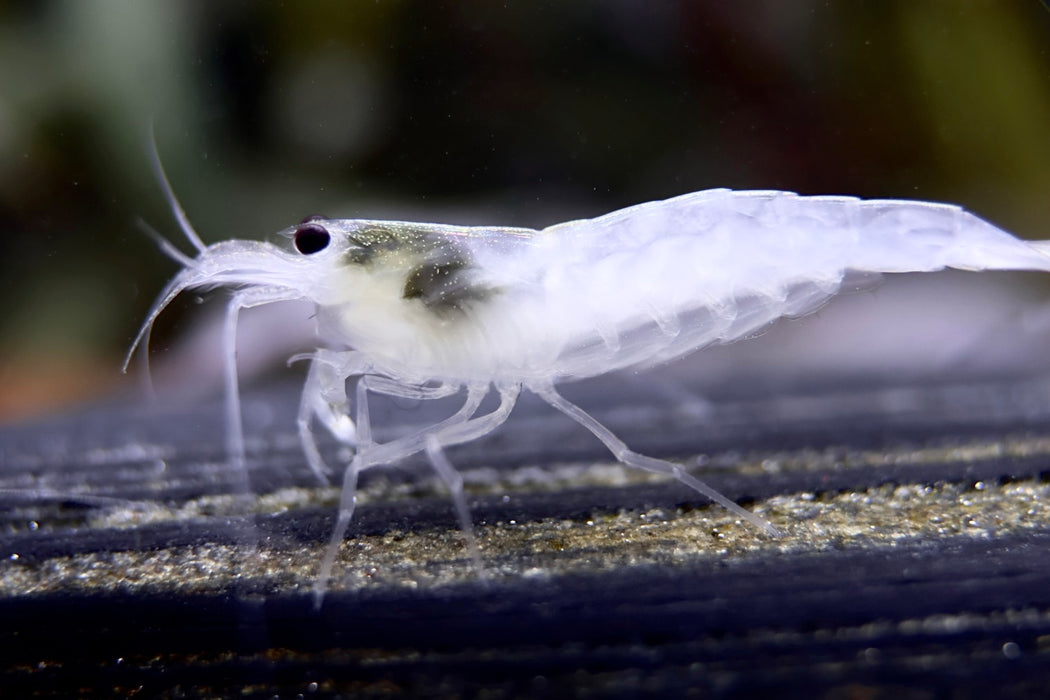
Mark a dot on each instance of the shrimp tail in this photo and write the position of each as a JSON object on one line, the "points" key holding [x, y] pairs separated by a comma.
{"points": [[980, 245], [1042, 246]]}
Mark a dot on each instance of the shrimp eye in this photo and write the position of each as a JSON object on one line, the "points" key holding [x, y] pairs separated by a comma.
{"points": [[311, 238]]}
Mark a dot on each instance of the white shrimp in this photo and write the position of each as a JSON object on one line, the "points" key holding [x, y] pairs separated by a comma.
{"points": [[426, 311]]}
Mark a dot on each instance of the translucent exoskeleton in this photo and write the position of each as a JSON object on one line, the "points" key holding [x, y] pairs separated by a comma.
{"points": [[427, 311]]}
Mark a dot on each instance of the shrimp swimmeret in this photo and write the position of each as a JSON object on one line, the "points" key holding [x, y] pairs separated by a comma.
{"points": [[425, 311]]}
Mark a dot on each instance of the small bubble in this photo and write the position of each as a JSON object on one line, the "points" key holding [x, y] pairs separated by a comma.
{"points": [[1011, 650]]}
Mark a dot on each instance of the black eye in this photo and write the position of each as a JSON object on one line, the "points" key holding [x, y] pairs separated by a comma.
{"points": [[311, 238]]}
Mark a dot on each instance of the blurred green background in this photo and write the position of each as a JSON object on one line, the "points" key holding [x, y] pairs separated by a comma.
{"points": [[520, 113]]}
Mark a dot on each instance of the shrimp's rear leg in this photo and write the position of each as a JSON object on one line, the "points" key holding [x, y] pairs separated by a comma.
{"points": [[458, 428], [686, 402], [634, 459]]}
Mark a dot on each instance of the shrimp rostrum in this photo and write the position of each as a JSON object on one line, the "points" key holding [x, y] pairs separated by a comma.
{"points": [[428, 311]]}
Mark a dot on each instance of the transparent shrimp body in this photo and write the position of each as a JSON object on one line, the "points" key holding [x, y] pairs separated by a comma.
{"points": [[427, 311], [638, 286]]}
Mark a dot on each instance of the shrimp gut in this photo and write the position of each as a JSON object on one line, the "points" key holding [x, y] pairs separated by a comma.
{"points": [[425, 311]]}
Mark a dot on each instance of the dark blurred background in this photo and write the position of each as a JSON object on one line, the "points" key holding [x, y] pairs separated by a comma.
{"points": [[521, 113]]}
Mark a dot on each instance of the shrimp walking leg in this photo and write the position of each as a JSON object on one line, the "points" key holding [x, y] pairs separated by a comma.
{"points": [[243, 299], [388, 387], [458, 428], [454, 483], [634, 459], [324, 398]]}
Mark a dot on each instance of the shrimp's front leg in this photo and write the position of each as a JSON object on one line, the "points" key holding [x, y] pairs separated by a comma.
{"points": [[470, 430], [377, 384], [324, 397], [459, 428], [243, 299]]}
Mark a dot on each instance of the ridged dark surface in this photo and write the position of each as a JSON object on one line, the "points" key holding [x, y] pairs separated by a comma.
{"points": [[571, 609]]}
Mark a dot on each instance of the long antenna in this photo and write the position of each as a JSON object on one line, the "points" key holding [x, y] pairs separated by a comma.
{"points": [[169, 194]]}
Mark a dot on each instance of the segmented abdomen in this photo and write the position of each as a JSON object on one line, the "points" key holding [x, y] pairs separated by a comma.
{"points": [[658, 280]]}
